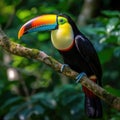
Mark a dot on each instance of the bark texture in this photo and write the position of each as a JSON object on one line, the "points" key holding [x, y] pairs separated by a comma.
{"points": [[20, 50]]}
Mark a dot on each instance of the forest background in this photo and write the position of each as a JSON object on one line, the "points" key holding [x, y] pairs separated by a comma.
{"points": [[30, 90]]}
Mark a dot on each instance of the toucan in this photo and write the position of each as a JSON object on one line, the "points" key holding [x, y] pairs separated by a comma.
{"points": [[77, 52]]}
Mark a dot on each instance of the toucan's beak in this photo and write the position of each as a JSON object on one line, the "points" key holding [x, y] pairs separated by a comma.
{"points": [[41, 23]]}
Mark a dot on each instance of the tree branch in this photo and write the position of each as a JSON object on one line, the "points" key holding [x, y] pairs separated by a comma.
{"points": [[20, 50]]}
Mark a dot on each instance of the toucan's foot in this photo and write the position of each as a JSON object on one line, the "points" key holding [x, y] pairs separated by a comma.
{"points": [[78, 78], [63, 66]]}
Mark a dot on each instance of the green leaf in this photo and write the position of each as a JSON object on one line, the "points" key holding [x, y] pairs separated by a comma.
{"points": [[12, 113], [23, 14], [112, 39], [10, 102], [39, 96], [67, 95], [118, 41], [45, 100], [106, 55], [113, 91], [112, 24], [60, 90], [27, 113], [70, 98], [111, 13], [43, 36], [117, 51]]}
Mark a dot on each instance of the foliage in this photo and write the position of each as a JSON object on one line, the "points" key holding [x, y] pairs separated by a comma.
{"points": [[107, 32], [43, 105], [39, 92]]}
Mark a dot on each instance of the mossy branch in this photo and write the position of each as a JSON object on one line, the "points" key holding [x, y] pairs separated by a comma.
{"points": [[20, 50]]}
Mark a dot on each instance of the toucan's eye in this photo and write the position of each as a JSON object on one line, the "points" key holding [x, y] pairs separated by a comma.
{"points": [[61, 21]]}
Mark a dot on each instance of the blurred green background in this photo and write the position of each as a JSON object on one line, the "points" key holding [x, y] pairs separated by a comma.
{"points": [[30, 90]]}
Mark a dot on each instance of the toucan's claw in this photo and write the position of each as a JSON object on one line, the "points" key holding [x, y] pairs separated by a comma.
{"points": [[78, 78], [63, 66]]}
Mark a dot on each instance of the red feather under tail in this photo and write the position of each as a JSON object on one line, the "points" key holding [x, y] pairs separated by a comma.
{"points": [[93, 106]]}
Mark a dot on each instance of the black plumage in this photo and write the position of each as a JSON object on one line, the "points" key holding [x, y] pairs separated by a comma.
{"points": [[82, 57]]}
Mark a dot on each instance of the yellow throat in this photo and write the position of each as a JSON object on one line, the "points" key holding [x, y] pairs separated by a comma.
{"points": [[63, 37]]}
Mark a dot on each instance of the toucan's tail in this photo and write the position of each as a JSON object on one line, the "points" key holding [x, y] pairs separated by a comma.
{"points": [[93, 106]]}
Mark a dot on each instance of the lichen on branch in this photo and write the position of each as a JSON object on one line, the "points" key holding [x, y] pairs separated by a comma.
{"points": [[20, 50]]}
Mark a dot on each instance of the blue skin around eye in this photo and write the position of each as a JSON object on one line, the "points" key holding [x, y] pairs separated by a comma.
{"points": [[43, 28]]}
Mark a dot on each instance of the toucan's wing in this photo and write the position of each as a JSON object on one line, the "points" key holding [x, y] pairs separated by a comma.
{"points": [[89, 54]]}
